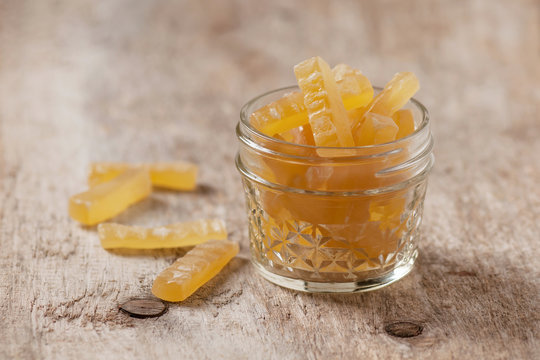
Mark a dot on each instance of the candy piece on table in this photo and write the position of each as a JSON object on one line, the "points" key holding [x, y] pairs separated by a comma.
{"points": [[290, 111], [327, 114], [109, 199], [395, 94], [175, 235], [375, 129], [193, 270], [404, 119], [355, 88], [177, 175]]}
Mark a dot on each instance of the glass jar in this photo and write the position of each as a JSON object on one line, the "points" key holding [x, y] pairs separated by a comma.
{"points": [[347, 221]]}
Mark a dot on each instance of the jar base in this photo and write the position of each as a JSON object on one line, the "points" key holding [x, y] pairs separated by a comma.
{"points": [[394, 275]]}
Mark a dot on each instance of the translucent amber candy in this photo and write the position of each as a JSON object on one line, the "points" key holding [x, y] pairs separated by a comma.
{"points": [[302, 135], [174, 235], [108, 199], [269, 119], [290, 111], [395, 94], [193, 270], [327, 114], [404, 119], [376, 129], [173, 175], [355, 89], [330, 237]]}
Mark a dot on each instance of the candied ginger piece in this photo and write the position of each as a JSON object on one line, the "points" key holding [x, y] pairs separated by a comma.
{"points": [[193, 270], [281, 115], [395, 94], [355, 88], [109, 199], [175, 235], [327, 114], [177, 175], [290, 111], [404, 119], [302, 135], [376, 129]]}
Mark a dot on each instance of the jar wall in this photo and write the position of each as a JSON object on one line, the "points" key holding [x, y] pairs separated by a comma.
{"points": [[340, 223], [333, 239]]}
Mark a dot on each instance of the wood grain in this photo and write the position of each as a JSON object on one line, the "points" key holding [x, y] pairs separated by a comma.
{"points": [[82, 81]]}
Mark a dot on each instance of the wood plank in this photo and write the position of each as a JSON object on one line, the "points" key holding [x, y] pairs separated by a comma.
{"points": [[146, 81]]}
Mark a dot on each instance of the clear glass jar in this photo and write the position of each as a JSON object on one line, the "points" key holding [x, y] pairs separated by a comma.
{"points": [[344, 223]]}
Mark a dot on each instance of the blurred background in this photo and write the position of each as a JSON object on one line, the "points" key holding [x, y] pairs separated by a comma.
{"points": [[177, 68], [158, 80]]}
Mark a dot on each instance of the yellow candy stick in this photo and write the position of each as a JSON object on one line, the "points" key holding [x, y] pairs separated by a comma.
{"points": [[393, 97], [327, 114], [404, 119], [290, 111], [395, 94], [109, 199], [174, 175], [175, 235], [193, 270], [281, 115]]}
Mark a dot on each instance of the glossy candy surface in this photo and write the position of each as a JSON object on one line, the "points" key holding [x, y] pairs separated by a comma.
{"points": [[404, 119], [395, 94], [327, 114], [376, 129], [173, 175], [110, 198], [175, 235], [193, 270], [290, 111]]}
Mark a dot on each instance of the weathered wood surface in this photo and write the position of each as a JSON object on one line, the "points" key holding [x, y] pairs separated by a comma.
{"points": [[144, 81]]}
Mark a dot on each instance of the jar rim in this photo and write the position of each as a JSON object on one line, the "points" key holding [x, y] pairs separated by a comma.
{"points": [[244, 120]]}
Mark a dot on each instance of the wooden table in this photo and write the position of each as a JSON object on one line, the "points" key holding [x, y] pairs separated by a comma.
{"points": [[82, 81]]}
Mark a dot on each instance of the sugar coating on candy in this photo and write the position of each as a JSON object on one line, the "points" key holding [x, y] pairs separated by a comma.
{"points": [[179, 175], [355, 88], [193, 270], [109, 199], [327, 114], [290, 112], [376, 129], [175, 235], [281, 115]]}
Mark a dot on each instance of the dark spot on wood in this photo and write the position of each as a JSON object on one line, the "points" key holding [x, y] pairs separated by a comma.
{"points": [[205, 189], [144, 308], [403, 329]]}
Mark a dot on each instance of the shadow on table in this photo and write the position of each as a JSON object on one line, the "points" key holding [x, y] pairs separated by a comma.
{"points": [[220, 290], [155, 253], [448, 298]]}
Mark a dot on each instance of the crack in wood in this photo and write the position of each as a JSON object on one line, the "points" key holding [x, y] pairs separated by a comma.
{"points": [[404, 329]]}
